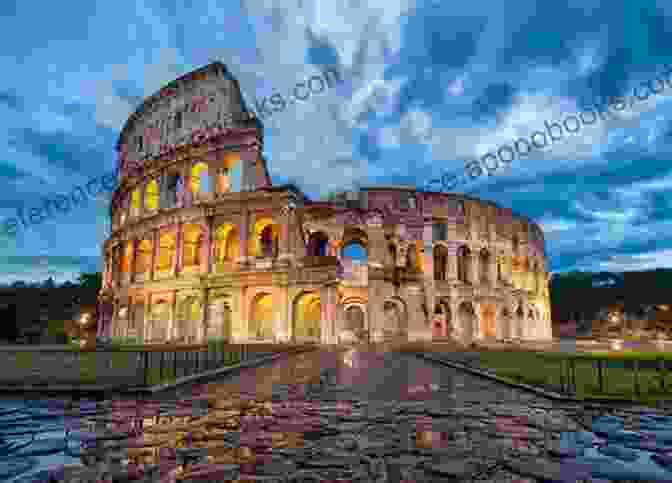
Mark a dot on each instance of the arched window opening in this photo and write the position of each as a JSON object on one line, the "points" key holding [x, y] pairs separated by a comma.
{"points": [[318, 243], [440, 262], [173, 182], [144, 259], [152, 196], [200, 179], [463, 264], [135, 202], [192, 246], [485, 267], [127, 258], [166, 256], [268, 242]]}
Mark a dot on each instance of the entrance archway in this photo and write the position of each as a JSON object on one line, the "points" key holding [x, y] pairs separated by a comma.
{"points": [[307, 317], [219, 322], [441, 322], [394, 323], [188, 319], [261, 317], [505, 321], [354, 327], [467, 324], [489, 319]]}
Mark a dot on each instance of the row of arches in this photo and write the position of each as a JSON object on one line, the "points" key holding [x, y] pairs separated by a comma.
{"points": [[356, 248], [139, 258], [493, 323], [171, 189], [187, 315]]}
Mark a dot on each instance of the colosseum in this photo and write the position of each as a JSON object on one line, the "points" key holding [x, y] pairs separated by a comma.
{"points": [[203, 244]]}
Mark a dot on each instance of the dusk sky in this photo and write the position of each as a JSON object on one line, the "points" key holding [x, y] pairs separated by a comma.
{"points": [[428, 86]]}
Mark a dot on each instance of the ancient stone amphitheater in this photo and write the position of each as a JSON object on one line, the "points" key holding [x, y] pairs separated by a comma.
{"points": [[204, 245]]}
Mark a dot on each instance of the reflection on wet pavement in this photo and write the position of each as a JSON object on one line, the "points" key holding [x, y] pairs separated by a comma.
{"points": [[334, 415]]}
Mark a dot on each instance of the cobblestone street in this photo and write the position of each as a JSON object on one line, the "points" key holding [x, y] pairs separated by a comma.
{"points": [[349, 415]]}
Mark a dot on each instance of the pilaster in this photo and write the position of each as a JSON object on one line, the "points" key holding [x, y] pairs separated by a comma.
{"points": [[178, 249], [244, 233]]}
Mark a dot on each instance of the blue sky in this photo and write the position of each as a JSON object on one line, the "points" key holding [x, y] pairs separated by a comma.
{"points": [[427, 86]]}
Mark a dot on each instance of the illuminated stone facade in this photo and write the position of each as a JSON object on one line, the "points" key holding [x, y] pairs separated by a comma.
{"points": [[203, 245]]}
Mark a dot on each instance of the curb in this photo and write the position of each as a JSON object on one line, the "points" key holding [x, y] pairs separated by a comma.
{"points": [[63, 388], [541, 392], [214, 372]]}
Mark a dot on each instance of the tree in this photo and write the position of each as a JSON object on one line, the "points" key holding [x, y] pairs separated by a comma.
{"points": [[92, 280]]}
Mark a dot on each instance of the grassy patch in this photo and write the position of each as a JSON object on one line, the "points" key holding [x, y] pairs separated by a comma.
{"points": [[618, 378]]}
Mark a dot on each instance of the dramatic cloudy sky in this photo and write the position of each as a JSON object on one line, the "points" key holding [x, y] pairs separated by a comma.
{"points": [[428, 86]]}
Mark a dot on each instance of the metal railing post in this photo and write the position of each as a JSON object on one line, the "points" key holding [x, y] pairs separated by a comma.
{"points": [[161, 366], [146, 366]]}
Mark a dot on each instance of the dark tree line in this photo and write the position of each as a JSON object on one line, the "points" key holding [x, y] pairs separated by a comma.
{"points": [[577, 295], [27, 310]]}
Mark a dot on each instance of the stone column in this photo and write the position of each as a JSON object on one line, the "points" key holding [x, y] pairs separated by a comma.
{"points": [[280, 303], [328, 316], [179, 242], [428, 267], [206, 248], [493, 269], [375, 317], [285, 254], [473, 275], [155, 250], [205, 314], [508, 268], [210, 245], [173, 316], [147, 315], [451, 269], [243, 232]]}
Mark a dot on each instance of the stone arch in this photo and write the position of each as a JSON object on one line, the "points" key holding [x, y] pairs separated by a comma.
{"points": [[355, 323], [189, 316], [484, 265], [440, 256], [173, 188], [468, 322], [391, 255], [136, 206], [200, 178], [488, 324], [395, 320], [229, 176], [414, 256], [192, 246], [318, 244], [463, 263], [219, 318], [266, 238], [226, 245], [165, 260], [143, 259], [261, 316], [159, 319], [306, 316], [442, 320], [152, 195]]}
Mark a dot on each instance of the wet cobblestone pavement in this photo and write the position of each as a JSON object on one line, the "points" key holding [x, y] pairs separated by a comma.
{"points": [[346, 416]]}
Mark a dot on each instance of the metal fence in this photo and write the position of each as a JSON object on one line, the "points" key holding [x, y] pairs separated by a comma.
{"points": [[128, 366]]}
